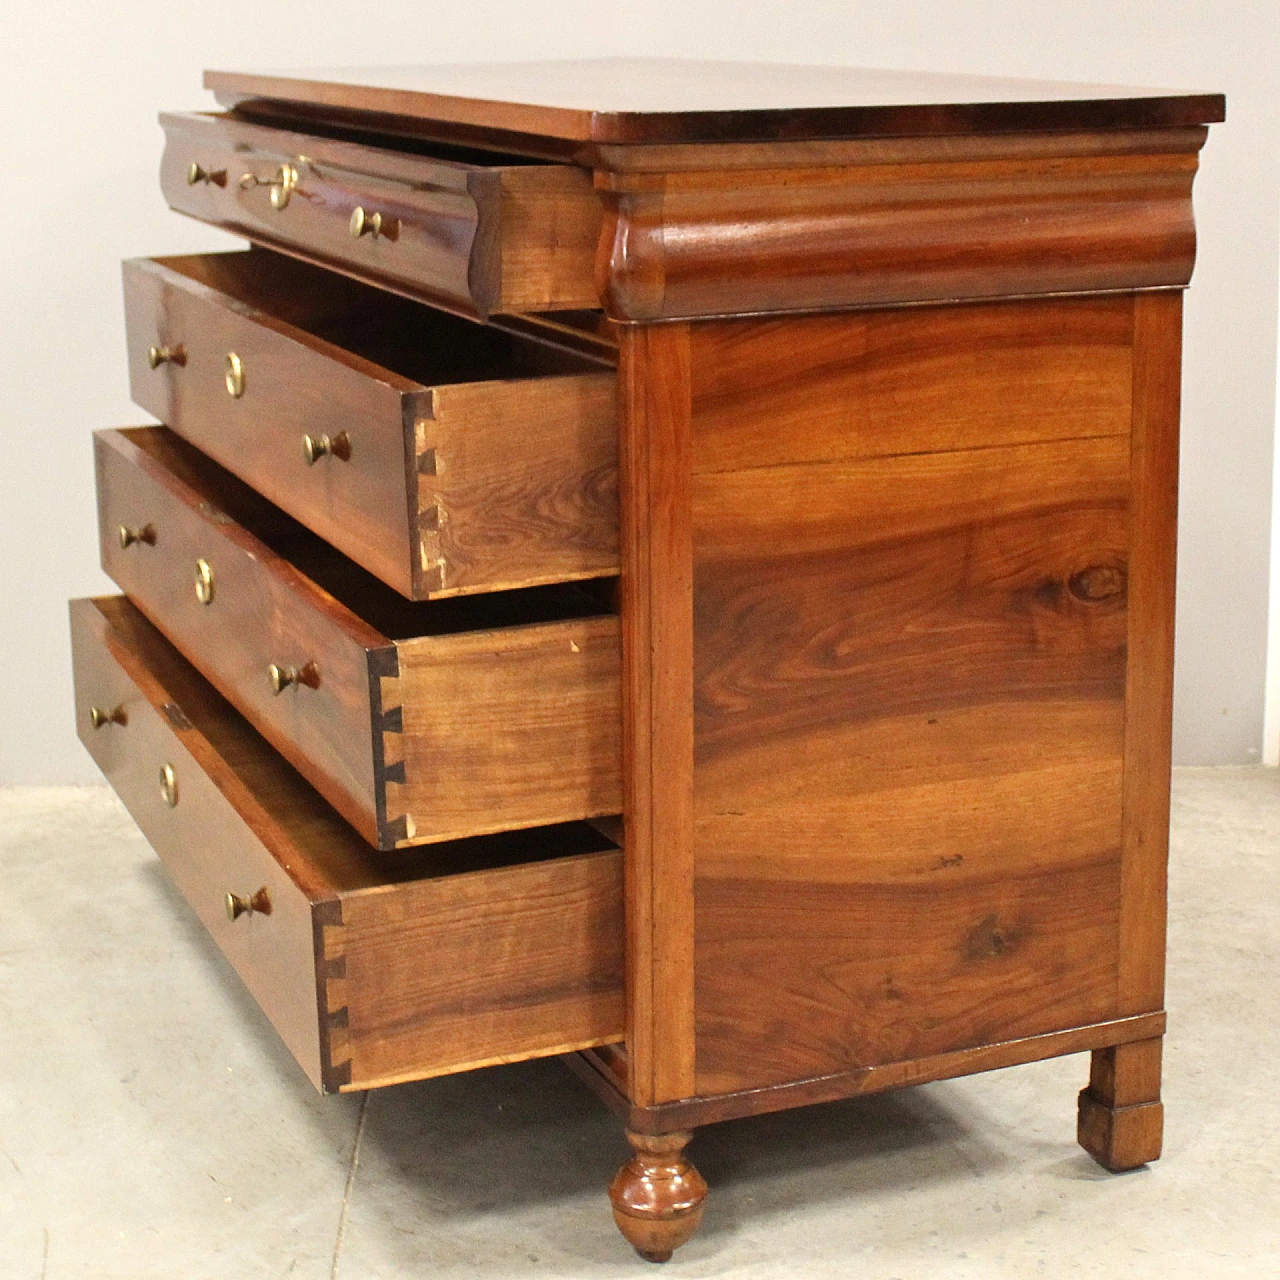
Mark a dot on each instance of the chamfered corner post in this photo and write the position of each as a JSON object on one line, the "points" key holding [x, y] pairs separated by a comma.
{"points": [[1121, 1117], [657, 1196]]}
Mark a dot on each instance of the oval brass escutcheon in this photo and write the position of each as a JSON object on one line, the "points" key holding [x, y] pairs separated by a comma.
{"points": [[169, 785], [204, 581], [234, 378]]}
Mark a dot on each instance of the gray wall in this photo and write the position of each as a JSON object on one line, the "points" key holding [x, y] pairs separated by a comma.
{"points": [[77, 174]]}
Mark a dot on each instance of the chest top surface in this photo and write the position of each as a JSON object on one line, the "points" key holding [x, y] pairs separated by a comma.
{"points": [[657, 100]]}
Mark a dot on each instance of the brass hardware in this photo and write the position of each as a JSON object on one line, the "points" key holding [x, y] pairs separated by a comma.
{"points": [[100, 718], [204, 581], [364, 224], [258, 903], [156, 356], [280, 184], [316, 447], [169, 785], [130, 536], [234, 376], [283, 678], [198, 173]]}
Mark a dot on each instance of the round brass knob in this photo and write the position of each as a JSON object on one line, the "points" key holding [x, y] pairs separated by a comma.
{"points": [[204, 582], [316, 447], [134, 536], [99, 718], [364, 224], [258, 903], [283, 185], [283, 678], [234, 376], [169, 785], [156, 356]]}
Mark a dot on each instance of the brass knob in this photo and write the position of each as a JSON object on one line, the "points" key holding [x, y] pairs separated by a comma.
{"points": [[258, 903], [169, 785], [198, 173], [156, 356], [204, 582], [130, 536], [364, 224], [316, 447], [234, 376], [100, 718], [283, 678]]}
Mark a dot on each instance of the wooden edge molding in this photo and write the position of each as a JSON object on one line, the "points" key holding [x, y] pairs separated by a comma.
{"points": [[688, 1113], [904, 225]]}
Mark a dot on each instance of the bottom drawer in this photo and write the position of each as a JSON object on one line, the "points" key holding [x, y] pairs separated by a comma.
{"points": [[374, 967]]}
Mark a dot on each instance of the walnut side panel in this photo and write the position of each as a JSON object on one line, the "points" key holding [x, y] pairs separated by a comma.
{"points": [[496, 730], [911, 380], [517, 483], [909, 713], [468, 970]]}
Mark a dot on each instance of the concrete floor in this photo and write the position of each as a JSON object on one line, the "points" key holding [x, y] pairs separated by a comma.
{"points": [[151, 1126]]}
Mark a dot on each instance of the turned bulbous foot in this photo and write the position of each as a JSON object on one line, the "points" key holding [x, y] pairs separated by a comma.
{"points": [[657, 1195]]}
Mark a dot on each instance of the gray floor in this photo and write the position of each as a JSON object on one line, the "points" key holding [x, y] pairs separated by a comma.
{"points": [[152, 1127]]}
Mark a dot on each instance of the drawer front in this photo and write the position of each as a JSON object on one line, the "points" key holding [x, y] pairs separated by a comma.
{"points": [[251, 392], [373, 969], [477, 238], [257, 610], [202, 832]]}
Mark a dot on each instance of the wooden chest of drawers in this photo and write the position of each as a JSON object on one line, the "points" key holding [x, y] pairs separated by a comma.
{"points": [[665, 564]]}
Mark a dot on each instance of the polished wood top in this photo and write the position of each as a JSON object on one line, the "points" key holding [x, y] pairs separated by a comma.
{"points": [[648, 100]]}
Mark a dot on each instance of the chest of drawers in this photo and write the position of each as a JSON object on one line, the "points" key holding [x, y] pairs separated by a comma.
{"points": [[666, 564]]}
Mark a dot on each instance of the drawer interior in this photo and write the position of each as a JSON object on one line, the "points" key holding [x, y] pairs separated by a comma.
{"points": [[353, 587], [415, 341]]}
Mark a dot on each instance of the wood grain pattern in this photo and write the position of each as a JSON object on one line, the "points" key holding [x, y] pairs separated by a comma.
{"points": [[1149, 678], [906, 381], [474, 237], [604, 1071], [708, 243], [909, 714], [638, 100], [373, 969], [282, 596], [657, 706], [517, 439]]}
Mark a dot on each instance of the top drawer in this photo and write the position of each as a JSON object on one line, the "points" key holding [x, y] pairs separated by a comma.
{"points": [[479, 237]]}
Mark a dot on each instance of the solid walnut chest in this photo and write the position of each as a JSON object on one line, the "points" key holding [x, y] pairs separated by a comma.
{"points": [[669, 564]]}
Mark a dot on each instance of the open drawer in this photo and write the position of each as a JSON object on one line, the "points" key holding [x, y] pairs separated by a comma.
{"points": [[374, 968], [444, 456], [472, 231], [418, 722]]}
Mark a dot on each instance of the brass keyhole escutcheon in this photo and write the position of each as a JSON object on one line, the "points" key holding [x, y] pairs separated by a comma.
{"points": [[100, 717], [283, 678], [204, 582], [156, 356], [234, 375], [316, 447], [258, 903], [139, 535], [169, 785]]}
